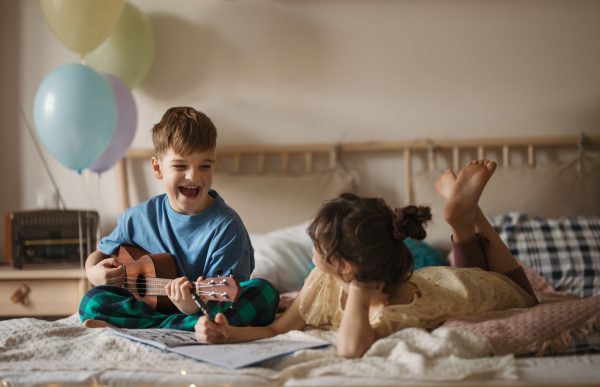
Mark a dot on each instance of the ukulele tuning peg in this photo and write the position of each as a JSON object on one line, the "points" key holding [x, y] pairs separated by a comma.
{"points": [[231, 272], [232, 306], [221, 304], [218, 272]]}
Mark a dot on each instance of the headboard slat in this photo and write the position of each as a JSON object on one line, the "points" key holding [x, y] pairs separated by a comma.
{"points": [[335, 150], [531, 155], [455, 159], [408, 176], [505, 155]]}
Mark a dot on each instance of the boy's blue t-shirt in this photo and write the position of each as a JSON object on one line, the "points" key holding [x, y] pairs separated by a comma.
{"points": [[200, 244]]}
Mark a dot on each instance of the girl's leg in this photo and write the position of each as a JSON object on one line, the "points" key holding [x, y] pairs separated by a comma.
{"points": [[482, 248], [498, 256], [461, 208]]}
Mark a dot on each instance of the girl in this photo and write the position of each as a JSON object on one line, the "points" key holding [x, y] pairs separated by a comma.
{"points": [[363, 284]]}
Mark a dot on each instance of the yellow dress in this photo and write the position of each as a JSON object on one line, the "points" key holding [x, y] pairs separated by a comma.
{"points": [[443, 292]]}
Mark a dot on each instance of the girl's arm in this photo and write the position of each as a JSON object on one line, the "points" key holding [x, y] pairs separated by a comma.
{"points": [[219, 333], [356, 335]]}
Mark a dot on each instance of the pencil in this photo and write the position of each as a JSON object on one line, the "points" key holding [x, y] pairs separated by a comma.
{"points": [[206, 310]]}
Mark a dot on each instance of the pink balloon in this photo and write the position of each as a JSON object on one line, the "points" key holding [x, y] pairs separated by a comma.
{"points": [[124, 129]]}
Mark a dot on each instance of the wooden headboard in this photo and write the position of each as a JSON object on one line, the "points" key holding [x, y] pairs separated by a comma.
{"points": [[332, 152]]}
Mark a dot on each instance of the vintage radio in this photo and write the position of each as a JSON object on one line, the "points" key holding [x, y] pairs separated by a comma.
{"points": [[50, 236]]}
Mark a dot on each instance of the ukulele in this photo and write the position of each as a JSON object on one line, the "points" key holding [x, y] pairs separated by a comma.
{"points": [[147, 275]]}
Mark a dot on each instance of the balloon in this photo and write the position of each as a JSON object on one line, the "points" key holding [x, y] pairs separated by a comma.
{"points": [[82, 25], [129, 50], [124, 129], [75, 114]]}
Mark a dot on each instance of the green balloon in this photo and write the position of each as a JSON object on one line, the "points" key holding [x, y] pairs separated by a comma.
{"points": [[129, 50]]}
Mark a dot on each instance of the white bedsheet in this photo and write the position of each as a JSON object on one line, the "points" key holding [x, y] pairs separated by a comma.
{"points": [[96, 356], [566, 370]]}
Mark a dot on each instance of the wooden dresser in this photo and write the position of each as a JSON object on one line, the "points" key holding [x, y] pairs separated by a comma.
{"points": [[47, 292]]}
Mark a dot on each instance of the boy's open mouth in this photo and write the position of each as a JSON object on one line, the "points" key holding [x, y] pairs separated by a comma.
{"points": [[189, 191]]}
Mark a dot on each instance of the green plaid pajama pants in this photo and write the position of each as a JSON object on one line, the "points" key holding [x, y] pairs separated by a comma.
{"points": [[257, 306]]}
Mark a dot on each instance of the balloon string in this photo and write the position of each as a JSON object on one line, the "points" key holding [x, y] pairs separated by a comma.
{"points": [[39, 151]]}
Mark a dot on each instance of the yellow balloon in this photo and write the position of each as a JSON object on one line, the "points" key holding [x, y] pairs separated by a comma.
{"points": [[82, 25], [129, 51]]}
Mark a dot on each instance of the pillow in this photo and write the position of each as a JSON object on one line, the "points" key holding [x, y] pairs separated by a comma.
{"points": [[548, 191], [283, 257], [269, 202], [424, 254], [565, 251]]}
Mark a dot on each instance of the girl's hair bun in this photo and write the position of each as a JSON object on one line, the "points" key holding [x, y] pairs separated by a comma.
{"points": [[410, 222]]}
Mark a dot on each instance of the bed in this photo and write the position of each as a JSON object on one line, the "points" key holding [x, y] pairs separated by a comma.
{"points": [[551, 223]]}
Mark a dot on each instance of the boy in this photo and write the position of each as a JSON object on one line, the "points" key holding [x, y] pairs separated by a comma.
{"points": [[192, 223]]}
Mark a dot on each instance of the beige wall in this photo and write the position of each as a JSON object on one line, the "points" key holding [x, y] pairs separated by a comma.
{"points": [[281, 71]]}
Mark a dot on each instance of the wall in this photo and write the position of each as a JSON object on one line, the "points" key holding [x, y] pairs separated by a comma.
{"points": [[285, 71]]}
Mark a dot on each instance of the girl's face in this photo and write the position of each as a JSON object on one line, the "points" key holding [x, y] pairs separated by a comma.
{"points": [[320, 261], [338, 268]]}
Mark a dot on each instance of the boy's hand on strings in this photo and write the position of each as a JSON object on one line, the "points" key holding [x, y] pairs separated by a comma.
{"points": [[212, 332], [107, 272], [180, 292]]}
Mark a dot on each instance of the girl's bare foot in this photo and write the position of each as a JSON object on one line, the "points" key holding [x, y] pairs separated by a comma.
{"points": [[97, 324], [461, 208], [444, 185]]}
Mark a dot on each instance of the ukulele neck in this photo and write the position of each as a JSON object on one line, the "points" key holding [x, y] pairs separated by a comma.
{"points": [[212, 289]]}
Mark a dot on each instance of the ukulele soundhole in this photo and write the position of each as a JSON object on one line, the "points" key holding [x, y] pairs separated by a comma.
{"points": [[140, 284]]}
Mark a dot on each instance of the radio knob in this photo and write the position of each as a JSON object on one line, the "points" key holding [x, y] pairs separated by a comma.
{"points": [[30, 251]]}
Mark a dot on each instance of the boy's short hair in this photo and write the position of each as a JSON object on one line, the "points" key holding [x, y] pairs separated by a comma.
{"points": [[185, 130]]}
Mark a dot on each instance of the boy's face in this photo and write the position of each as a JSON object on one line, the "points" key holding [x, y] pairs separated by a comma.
{"points": [[187, 180]]}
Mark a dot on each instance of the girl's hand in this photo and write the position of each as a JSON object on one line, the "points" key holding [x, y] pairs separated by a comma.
{"points": [[356, 335], [180, 292], [212, 332], [366, 288], [368, 293]]}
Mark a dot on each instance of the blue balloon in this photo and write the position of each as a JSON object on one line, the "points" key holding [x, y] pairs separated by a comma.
{"points": [[75, 115]]}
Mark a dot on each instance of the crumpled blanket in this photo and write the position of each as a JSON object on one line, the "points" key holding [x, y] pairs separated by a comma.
{"points": [[550, 324], [411, 354]]}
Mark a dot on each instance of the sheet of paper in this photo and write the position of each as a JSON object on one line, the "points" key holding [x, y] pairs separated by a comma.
{"points": [[161, 338], [240, 355], [229, 356]]}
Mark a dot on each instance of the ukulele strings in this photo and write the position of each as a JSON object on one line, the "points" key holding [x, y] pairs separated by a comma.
{"points": [[159, 284]]}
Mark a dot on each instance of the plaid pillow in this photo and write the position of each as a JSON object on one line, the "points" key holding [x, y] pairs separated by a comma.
{"points": [[565, 251]]}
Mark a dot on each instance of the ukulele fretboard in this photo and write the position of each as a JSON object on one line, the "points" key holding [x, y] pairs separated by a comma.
{"points": [[153, 286]]}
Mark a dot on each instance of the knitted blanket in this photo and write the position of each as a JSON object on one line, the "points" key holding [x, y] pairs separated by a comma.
{"points": [[550, 324], [412, 354]]}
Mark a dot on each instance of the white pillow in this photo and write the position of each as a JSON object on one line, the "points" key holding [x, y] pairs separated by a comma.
{"points": [[283, 257]]}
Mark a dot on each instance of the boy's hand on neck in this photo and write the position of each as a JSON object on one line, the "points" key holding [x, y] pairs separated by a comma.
{"points": [[179, 292]]}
